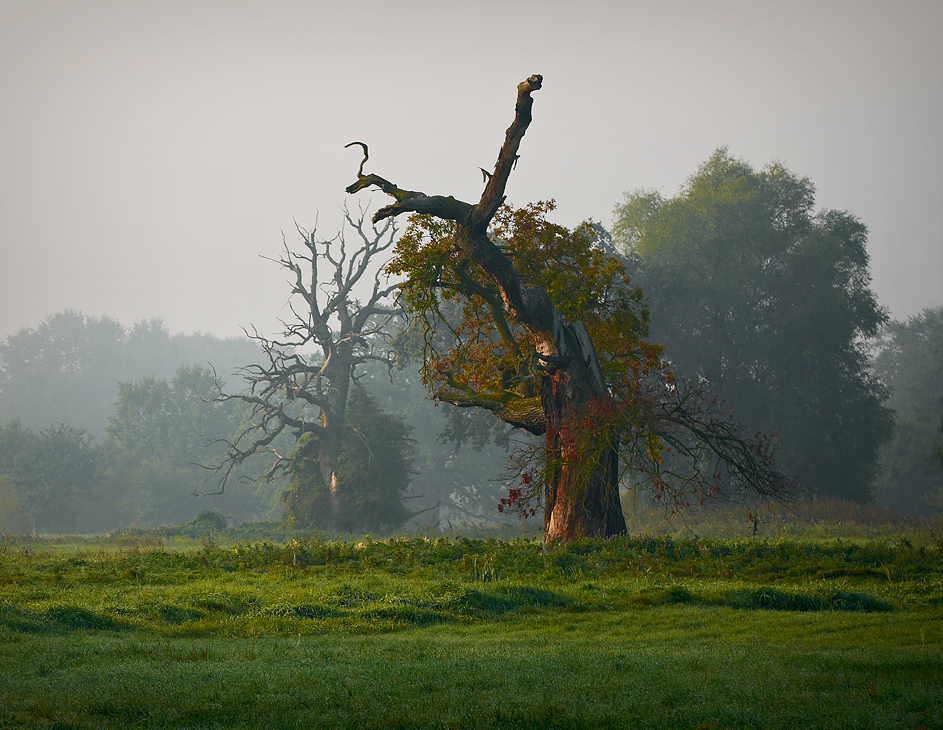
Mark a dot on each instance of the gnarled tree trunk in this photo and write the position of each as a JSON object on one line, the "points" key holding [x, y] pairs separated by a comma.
{"points": [[581, 496]]}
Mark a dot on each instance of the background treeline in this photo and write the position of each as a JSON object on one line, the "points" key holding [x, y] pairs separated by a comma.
{"points": [[910, 361], [106, 426], [748, 286]]}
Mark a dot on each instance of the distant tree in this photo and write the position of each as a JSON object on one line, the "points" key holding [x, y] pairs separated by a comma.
{"points": [[772, 303], [375, 459], [12, 518], [68, 368], [301, 387], [910, 362], [160, 433], [18, 448], [551, 342], [154, 416], [51, 474]]}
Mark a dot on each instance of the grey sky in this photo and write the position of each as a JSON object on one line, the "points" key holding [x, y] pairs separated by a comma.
{"points": [[150, 152]]}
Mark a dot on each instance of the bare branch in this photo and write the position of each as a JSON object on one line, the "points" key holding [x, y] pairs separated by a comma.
{"points": [[493, 196], [291, 393], [366, 156]]}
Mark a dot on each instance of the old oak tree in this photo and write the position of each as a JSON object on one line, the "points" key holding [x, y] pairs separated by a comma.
{"points": [[550, 340]]}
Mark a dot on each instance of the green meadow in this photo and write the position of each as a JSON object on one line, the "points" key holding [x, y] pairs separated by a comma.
{"points": [[447, 632]]}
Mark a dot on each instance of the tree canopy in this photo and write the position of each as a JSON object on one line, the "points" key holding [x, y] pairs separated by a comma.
{"points": [[76, 379], [910, 362], [491, 361], [160, 433], [49, 477], [67, 368], [771, 302]]}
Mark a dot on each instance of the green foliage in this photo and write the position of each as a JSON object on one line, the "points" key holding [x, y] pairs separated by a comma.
{"points": [[209, 520], [12, 517], [771, 302], [491, 358], [58, 385], [375, 458], [910, 362], [67, 368], [154, 416], [456, 485], [50, 476], [159, 435]]}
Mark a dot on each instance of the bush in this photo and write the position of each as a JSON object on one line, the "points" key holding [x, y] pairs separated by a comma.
{"points": [[374, 469], [210, 520]]}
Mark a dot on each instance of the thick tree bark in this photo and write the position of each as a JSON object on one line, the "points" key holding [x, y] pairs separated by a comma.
{"points": [[581, 499]]}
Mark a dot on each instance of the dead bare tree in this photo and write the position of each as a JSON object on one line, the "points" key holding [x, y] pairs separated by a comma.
{"points": [[303, 384]]}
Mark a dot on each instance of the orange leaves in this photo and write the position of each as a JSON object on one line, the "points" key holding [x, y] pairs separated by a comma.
{"points": [[489, 352], [518, 502]]}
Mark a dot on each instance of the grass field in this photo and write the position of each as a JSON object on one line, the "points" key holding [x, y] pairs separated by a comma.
{"points": [[644, 632]]}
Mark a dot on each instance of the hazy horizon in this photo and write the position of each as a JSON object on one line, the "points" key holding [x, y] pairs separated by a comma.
{"points": [[151, 153]]}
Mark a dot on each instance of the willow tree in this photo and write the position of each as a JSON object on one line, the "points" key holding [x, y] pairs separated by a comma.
{"points": [[551, 341], [301, 387]]}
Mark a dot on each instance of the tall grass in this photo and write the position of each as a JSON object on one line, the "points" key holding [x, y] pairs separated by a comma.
{"points": [[812, 520]]}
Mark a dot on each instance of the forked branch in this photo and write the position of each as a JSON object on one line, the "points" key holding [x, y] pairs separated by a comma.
{"points": [[295, 393], [477, 217]]}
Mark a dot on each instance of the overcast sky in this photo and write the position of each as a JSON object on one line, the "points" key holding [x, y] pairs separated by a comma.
{"points": [[151, 152]]}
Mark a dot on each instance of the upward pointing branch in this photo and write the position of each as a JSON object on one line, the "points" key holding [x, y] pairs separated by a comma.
{"points": [[532, 309], [477, 218], [493, 196]]}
